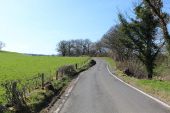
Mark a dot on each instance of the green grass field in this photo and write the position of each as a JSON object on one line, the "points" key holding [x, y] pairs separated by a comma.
{"points": [[14, 66], [157, 88], [19, 66]]}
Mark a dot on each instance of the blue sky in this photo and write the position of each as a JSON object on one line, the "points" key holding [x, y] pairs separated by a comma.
{"points": [[36, 26]]}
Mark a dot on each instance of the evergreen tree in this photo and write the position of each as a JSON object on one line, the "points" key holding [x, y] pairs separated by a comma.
{"points": [[141, 36]]}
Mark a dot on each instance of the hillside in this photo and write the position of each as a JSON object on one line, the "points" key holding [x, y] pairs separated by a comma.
{"points": [[19, 66]]}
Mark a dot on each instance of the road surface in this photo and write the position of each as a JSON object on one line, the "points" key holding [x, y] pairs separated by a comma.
{"points": [[99, 92]]}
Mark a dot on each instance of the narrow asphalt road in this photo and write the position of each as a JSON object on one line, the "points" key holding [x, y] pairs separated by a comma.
{"points": [[99, 92]]}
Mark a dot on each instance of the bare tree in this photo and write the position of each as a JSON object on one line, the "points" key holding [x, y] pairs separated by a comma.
{"points": [[62, 48], [111, 40], [2, 45], [70, 47], [86, 46], [100, 50]]}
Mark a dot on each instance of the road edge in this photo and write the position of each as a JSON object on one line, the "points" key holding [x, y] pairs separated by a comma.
{"points": [[155, 99], [66, 95]]}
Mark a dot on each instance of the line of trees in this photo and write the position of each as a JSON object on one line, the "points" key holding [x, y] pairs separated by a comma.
{"points": [[141, 38], [80, 47]]}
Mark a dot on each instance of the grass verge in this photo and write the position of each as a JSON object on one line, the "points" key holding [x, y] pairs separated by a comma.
{"points": [[157, 88]]}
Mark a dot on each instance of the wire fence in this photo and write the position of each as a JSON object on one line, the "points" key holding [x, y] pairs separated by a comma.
{"points": [[28, 85]]}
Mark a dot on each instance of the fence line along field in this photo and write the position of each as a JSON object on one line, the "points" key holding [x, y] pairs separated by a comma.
{"points": [[14, 66]]}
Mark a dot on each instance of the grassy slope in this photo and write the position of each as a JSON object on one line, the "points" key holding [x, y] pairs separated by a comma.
{"points": [[157, 88], [18, 66], [163, 70]]}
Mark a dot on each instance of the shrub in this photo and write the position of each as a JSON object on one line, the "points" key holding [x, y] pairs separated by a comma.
{"points": [[133, 68], [15, 96], [38, 99], [92, 63], [68, 70]]}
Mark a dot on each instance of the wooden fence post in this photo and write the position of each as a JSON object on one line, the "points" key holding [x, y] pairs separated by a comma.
{"points": [[36, 84], [27, 85], [42, 79], [76, 66], [14, 90], [56, 77]]}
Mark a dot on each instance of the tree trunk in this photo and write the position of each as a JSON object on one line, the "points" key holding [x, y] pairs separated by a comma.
{"points": [[63, 53], [149, 68], [150, 75], [165, 33]]}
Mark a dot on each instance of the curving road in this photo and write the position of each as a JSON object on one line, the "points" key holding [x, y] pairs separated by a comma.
{"points": [[99, 92]]}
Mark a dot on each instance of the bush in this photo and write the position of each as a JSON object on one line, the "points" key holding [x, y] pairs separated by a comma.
{"points": [[163, 68], [133, 68], [68, 70], [15, 96], [2, 108], [39, 98], [92, 63], [59, 84]]}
